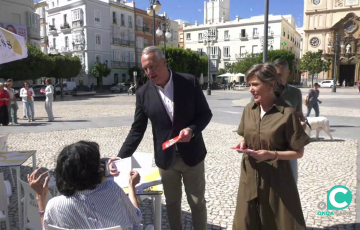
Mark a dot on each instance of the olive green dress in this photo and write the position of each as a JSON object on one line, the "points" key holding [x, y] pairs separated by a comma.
{"points": [[268, 197]]}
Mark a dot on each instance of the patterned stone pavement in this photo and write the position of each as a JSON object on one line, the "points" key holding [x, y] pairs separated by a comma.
{"points": [[324, 165]]}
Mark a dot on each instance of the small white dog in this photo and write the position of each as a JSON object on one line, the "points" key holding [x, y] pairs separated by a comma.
{"points": [[318, 124]]}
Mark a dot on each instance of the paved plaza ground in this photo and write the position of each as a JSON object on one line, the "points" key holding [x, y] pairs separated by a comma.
{"points": [[106, 119]]}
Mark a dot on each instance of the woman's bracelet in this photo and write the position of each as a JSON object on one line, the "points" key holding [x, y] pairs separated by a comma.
{"points": [[41, 213]]}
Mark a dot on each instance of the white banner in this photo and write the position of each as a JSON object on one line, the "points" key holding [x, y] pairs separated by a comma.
{"points": [[12, 47]]}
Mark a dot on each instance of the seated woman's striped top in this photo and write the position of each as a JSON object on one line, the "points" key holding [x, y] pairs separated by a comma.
{"points": [[105, 206]]}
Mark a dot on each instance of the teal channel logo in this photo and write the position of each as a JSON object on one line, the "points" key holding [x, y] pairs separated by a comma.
{"points": [[339, 198]]}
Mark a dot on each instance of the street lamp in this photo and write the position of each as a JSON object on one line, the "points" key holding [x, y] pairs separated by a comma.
{"points": [[336, 51], [135, 74], [266, 30], [155, 6], [164, 24], [207, 40]]}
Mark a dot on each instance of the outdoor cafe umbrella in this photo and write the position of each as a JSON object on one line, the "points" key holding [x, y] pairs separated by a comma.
{"points": [[226, 75], [12, 47]]}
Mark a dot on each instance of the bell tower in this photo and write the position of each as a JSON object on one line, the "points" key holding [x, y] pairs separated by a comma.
{"points": [[216, 11]]}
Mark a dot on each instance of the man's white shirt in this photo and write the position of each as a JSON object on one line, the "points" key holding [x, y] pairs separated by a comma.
{"points": [[167, 96]]}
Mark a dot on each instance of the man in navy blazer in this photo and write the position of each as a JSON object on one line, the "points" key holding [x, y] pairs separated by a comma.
{"points": [[176, 106]]}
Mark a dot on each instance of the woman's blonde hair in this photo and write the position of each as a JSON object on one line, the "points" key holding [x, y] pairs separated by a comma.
{"points": [[267, 74], [1, 84]]}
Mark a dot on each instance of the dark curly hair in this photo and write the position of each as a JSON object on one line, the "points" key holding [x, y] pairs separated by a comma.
{"points": [[78, 168]]}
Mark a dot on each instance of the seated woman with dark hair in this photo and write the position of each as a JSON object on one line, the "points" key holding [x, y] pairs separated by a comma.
{"points": [[86, 202]]}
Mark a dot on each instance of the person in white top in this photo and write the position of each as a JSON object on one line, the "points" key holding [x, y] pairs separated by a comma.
{"points": [[13, 106], [27, 94], [49, 93]]}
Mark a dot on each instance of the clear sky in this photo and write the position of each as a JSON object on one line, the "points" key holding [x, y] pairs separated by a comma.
{"points": [[191, 10]]}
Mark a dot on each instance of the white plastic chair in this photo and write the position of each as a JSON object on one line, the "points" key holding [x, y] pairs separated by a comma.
{"points": [[51, 227], [4, 212], [31, 209], [4, 148]]}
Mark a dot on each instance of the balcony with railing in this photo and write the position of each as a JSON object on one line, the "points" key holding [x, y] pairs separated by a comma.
{"points": [[33, 32], [122, 64], [53, 50], [255, 35], [52, 30], [139, 28], [240, 56], [77, 24], [65, 28], [226, 56], [123, 42], [243, 36], [214, 56], [65, 50], [200, 39], [78, 47]]}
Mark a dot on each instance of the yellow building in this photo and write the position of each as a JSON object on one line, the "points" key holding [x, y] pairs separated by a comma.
{"points": [[322, 20]]}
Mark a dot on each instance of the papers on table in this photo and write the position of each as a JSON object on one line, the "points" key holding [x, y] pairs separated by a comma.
{"points": [[140, 162], [14, 158]]}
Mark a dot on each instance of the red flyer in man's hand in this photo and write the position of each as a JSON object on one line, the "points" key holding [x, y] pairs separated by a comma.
{"points": [[170, 142]]}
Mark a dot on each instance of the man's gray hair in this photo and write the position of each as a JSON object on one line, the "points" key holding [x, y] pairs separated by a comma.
{"points": [[153, 49]]}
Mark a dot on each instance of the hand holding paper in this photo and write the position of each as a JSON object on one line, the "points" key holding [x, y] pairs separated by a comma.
{"points": [[170, 142], [185, 135]]}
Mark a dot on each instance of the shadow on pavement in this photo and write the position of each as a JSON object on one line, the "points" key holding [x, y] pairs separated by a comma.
{"points": [[321, 139], [336, 227], [343, 126]]}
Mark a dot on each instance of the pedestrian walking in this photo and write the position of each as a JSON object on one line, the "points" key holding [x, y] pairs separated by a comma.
{"points": [[313, 101], [268, 197], [27, 94], [358, 86], [49, 93], [13, 106], [176, 106], [4, 103]]}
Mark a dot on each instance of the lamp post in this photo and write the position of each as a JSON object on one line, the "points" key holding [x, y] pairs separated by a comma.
{"points": [[155, 6], [163, 29], [266, 30], [135, 74], [336, 46], [207, 39]]}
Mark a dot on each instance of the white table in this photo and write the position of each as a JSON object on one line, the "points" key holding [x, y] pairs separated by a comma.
{"points": [[15, 159]]}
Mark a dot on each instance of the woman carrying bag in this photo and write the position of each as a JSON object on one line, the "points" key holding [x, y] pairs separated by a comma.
{"points": [[49, 93], [27, 94]]}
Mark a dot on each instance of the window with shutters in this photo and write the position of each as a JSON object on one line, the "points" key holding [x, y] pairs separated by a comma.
{"points": [[98, 58], [76, 15], [226, 51], [122, 19], [130, 21], [114, 17], [188, 36], [97, 22]]}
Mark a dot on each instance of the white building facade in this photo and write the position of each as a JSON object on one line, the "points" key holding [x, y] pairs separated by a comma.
{"points": [[122, 40], [78, 28], [19, 17], [230, 41]]}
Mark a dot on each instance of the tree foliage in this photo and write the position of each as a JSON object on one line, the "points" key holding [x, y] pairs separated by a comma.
{"points": [[36, 65], [185, 61], [245, 64], [229, 67], [313, 63], [283, 54], [100, 70], [221, 71]]}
